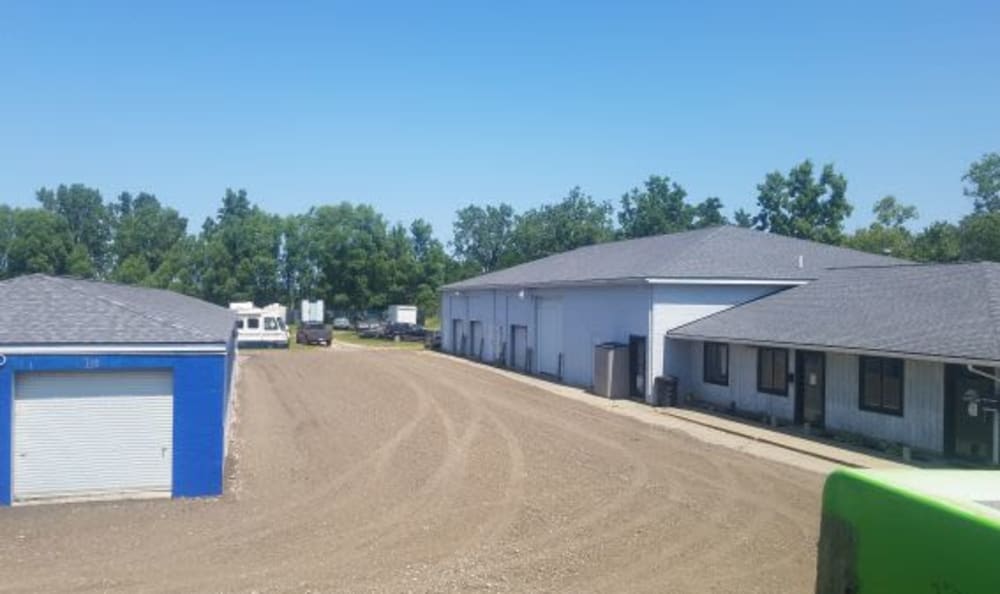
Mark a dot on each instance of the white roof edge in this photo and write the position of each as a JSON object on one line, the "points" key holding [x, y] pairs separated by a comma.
{"points": [[627, 281], [727, 281], [86, 349], [839, 349]]}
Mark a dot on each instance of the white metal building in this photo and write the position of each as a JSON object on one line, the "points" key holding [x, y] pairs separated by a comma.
{"points": [[547, 316]]}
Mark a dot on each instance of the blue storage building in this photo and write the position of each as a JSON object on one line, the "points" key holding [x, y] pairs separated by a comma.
{"points": [[111, 391]]}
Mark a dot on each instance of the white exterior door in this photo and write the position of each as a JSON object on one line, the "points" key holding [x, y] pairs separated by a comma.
{"points": [[519, 347], [92, 433], [550, 336]]}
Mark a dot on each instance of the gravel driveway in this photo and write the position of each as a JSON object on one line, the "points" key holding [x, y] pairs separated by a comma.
{"points": [[385, 471]]}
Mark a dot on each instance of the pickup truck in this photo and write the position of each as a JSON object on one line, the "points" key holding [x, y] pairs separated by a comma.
{"points": [[314, 333]]}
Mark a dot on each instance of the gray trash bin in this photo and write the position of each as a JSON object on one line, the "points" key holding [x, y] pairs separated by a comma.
{"points": [[611, 370]]}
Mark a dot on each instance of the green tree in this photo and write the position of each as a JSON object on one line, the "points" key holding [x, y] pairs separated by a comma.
{"points": [[801, 206], [40, 242], [979, 236], [888, 234], [483, 236], [88, 222], [743, 218], [938, 242], [708, 213], [983, 179], [433, 264], [241, 253], [142, 229], [889, 212], [656, 209], [577, 220]]}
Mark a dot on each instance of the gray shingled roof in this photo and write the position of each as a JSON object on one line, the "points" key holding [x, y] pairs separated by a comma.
{"points": [[949, 311], [714, 253], [44, 310]]}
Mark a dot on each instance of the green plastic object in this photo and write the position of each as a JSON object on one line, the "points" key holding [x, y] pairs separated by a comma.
{"points": [[910, 532]]}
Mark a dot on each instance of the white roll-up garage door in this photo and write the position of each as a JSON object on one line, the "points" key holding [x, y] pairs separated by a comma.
{"points": [[92, 433]]}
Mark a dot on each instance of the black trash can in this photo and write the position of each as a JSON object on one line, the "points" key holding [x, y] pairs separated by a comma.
{"points": [[665, 391]]}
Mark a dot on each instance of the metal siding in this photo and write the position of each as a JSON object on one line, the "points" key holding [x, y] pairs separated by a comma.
{"points": [[742, 388], [92, 432], [922, 423], [550, 335], [480, 309], [676, 305], [199, 423], [199, 412], [595, 315]]}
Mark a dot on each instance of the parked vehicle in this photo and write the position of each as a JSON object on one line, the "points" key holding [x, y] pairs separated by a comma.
{"points": [[410, 332], [371, 330], [312, 312], [432, 339], [259, 327], [341, 324], [314, 333]]}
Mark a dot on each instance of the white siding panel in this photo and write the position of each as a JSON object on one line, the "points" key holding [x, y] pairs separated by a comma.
{"points": [[676, 305], [742, 389], [922, 423], [92, 433]]}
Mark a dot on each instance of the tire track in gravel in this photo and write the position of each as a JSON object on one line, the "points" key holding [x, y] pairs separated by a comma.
{"points": [[389, 471]]}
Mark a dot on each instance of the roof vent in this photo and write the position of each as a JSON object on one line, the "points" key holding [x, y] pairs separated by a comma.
{"points": [[802, 262]]}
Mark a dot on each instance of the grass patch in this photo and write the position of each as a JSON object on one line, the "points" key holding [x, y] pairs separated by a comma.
{"points": [[350, 337]]}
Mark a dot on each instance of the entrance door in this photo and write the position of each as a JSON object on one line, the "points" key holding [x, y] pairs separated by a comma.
{"points": [[967, 436], [519, 347], [476, 339], [457, 337], [637, 366], [810, 382]]}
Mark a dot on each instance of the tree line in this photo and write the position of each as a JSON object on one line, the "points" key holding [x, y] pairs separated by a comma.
{"points": [[804, 202], [354, 258]]}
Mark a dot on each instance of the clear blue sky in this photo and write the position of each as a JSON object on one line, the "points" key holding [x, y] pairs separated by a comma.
{"points": [[420, 108]]}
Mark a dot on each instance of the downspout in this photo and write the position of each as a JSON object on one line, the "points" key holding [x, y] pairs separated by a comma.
{"points": [[648, 386], [995, 409]]}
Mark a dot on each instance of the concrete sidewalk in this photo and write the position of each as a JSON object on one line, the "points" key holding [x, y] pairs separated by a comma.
{"points": [[755, 440], [842, 456]]}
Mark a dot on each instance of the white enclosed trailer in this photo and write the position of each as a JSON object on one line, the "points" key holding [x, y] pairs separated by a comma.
{"points": [[402, 314], [312, 311]]}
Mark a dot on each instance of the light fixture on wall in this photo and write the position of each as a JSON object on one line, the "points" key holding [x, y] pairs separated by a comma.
{"points": [[520, 294]]}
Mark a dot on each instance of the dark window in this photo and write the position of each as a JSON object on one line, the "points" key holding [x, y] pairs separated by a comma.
{"points": [[881, 385], [270, 324], [239, 324], [717, 363], [253, 323], [772, 371]]}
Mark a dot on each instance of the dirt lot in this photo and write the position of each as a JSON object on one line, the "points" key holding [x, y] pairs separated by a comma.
{"points": [[358, 470]]}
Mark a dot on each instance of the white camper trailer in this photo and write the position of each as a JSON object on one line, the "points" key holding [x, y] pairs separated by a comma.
{"points": [[402, 314], [260, 327]]}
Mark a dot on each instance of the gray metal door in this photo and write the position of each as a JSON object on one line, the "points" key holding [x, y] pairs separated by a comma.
{"points": [[476, 339], [810, 379], [457, 337], [519, 347]]}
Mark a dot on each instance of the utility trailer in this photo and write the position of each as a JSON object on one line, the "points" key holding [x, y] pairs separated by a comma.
{"points": [[910, 531], [402, 314]]}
